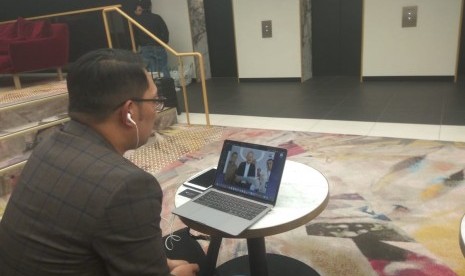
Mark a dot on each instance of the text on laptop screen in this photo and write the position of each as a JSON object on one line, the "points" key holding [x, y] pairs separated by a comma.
{"points": [[252, 170]]}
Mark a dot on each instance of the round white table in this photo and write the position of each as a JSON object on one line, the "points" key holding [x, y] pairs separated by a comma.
{"points": [[303, 195]]}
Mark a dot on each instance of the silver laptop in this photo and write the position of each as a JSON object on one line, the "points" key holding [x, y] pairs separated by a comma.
{"points": [[246, 187]]}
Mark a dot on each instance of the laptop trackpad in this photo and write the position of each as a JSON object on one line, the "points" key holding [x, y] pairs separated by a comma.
{"points": [[219, 220]]}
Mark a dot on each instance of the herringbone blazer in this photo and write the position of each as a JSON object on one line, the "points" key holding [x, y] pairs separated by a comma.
{"points": [[80, 208]]}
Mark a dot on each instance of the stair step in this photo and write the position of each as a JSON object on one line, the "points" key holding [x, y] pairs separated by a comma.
{"points": [[32, 111]]}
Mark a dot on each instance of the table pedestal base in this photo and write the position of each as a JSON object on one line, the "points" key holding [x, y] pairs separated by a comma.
{"points": [[278, 265]]}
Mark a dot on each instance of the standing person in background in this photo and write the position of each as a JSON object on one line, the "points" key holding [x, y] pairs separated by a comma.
{"points": [[153, 53]]}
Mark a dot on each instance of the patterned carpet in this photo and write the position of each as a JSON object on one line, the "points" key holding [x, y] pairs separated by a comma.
{"points": [[395, 204]]}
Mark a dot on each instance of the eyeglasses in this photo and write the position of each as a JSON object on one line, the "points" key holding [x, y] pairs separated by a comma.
{"points": [[159, 102]]}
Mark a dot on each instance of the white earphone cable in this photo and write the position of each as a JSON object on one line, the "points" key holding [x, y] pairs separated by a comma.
{"points": [[137, 136], [171, 237]]}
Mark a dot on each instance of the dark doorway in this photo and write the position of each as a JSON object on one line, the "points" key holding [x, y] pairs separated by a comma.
{"points": [[221, 41], [336, 37]]}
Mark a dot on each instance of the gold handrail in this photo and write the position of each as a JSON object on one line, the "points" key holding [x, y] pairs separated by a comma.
{"points": [[65, 13], [131, 22]]}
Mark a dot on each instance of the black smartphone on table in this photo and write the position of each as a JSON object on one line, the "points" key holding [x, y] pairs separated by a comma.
{"points": [[202, 180]]}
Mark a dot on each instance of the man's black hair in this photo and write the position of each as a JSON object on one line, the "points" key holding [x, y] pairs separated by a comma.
{"points": [[102, 79]]}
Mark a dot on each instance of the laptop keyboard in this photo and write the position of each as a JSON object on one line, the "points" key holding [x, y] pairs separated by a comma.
{"points": [[231, 205]]}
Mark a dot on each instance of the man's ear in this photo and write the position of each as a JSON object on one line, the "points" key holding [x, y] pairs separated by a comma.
{"points": [[126, 114]]}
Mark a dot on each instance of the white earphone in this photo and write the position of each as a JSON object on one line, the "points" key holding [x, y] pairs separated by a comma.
{"points": [[129, 117]]}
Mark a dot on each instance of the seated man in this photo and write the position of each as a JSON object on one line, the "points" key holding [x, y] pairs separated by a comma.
{"points": [[80, 207]]}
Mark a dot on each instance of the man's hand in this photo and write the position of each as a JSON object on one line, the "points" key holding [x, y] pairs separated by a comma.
{"points": [[182, 268], [172, 264]]}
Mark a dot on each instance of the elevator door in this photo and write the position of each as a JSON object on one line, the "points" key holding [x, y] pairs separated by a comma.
{"points": [[221, 40], [336, 37]]}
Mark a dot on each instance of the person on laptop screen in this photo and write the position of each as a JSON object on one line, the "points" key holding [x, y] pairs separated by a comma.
{"points": [[254, 172], [231, 168], [264, 176], [245, 173]]}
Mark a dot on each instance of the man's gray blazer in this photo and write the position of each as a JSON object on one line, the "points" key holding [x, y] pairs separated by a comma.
{"points": [[80, 208]]}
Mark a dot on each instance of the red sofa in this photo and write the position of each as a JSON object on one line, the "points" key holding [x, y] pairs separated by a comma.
{"points": [[27, 45]]}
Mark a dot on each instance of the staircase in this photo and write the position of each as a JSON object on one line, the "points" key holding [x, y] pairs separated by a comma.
{"points": [[29, 115]]}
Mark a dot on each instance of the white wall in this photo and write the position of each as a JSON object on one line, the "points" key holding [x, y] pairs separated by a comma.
{"points": [[430, 49], [275, 57], [176, 16]]}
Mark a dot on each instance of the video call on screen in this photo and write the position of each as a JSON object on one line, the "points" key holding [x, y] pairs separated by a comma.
{"points": [[252, 172]]}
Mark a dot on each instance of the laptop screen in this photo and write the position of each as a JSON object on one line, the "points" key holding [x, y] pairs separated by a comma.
{"points": [[251, 170]]}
